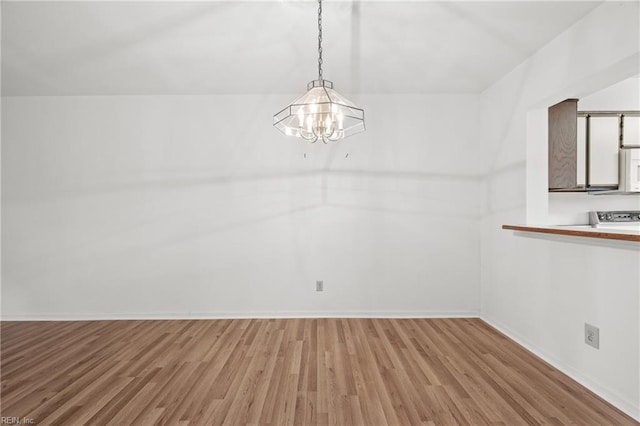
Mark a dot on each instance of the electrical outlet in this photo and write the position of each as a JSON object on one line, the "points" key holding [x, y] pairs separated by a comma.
{"points": [[319, 285], [592, 335]]}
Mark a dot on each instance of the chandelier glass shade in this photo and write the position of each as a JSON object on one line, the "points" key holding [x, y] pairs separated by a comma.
{"points": [[321, 113]]}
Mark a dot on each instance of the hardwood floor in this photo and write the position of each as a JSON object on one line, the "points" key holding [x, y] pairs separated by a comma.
{"points": [[277, 372]]}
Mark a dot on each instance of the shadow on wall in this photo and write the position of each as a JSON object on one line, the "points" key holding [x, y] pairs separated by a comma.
{"points": [[145, 204], [504, 137], [125, 237]]}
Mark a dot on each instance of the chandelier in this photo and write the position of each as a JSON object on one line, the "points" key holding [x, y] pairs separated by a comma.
{"points": [[321, 113]]}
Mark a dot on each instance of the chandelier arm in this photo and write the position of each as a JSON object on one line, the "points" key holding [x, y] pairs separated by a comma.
{"points": [[321, 136], [313, 129], [334, 136], [312, 137], [330, 136]]}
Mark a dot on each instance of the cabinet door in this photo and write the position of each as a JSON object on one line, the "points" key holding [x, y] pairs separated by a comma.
{"points": [[563, 157], [631, 131], [603, 151]]}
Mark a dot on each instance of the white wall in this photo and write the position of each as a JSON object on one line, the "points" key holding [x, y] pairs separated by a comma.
{"points": [[0, 167], [541, 290], [621, 96], [195, 206]]}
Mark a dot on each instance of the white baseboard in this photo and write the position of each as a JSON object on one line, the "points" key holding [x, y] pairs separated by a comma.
{"points": [[631, 408], [237, 315]]}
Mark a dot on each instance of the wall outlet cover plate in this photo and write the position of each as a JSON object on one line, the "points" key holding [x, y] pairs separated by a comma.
{"points": [[592, 335]]}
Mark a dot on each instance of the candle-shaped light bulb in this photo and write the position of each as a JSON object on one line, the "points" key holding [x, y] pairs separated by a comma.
{"points": [[340, 121], [300, 117]]}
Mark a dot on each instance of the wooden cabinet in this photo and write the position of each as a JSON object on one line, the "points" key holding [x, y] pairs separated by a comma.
{"points": [[563, 145]]}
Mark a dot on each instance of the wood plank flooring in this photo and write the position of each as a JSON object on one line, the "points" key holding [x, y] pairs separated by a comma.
{"points": [[284, 371]]}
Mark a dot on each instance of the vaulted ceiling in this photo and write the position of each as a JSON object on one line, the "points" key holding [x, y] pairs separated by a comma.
{"points": [[211, 47]]}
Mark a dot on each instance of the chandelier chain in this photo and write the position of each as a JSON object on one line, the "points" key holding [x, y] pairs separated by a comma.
{"points": [[320, 40]]}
